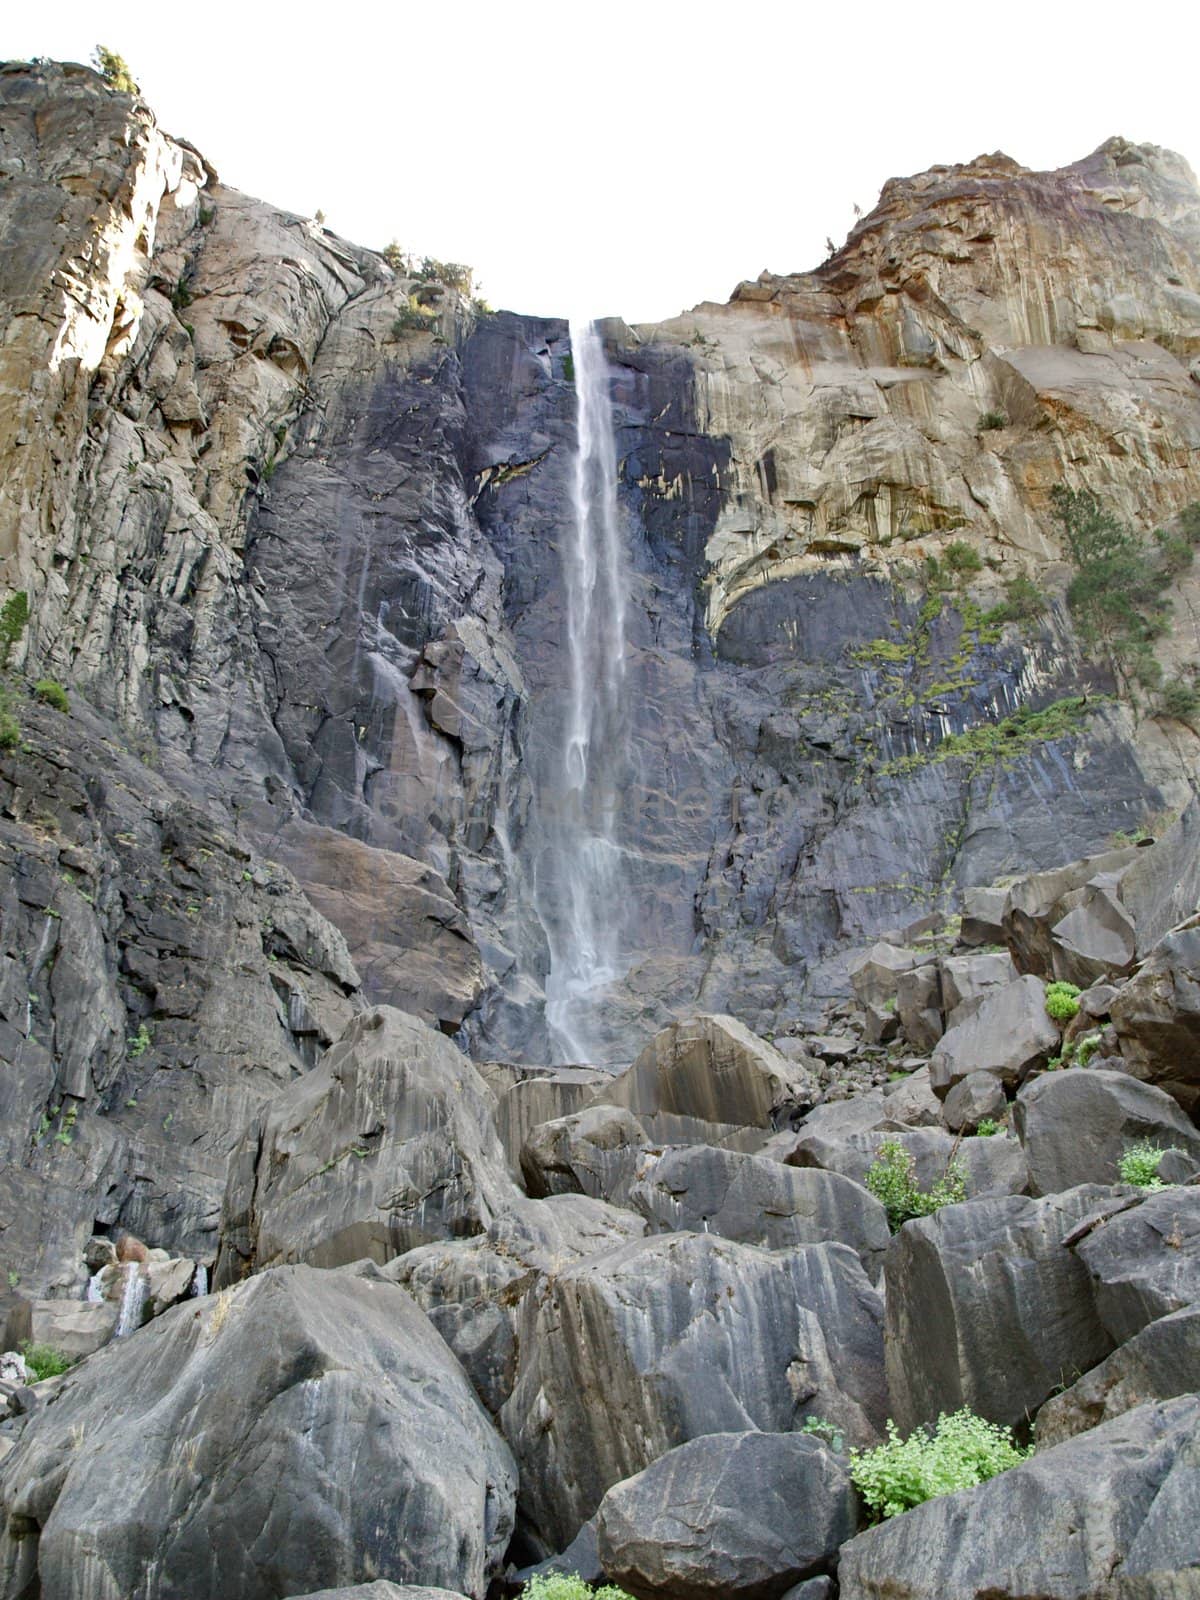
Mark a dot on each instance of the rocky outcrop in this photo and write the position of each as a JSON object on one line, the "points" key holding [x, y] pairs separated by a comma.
{"points": [[1075, 1126], [254, 1445], [1145, 1262], [746, 1514], [387, 1144]]}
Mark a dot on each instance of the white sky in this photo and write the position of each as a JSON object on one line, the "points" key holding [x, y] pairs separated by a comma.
{"points": [[632, 158]]}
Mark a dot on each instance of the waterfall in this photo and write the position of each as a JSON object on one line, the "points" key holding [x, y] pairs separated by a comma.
{"points": [[133, 1299], [581, 895]]}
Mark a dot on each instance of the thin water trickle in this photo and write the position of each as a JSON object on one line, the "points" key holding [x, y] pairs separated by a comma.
{"points": [[133, 1299], [583, 896]]}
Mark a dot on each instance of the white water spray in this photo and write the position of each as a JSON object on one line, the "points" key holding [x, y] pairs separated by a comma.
{"points": [[133, 1299], [582, 899]]}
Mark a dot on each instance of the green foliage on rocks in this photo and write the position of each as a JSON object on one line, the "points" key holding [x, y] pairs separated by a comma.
{"points": [[1140, 1163], [53, 693], [44, 1361], [114, 70], [1062, 1001], [1023, 602], [568, 1586], [962, 1450], [1117, 596], [892, 1179], [14, 616], [991, 420]]}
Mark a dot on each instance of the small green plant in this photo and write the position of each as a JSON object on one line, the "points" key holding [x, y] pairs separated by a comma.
{"points": [[44, 1361], [1023, 602], [52, 693], [990, 420], [409, 318], [1179, 699], [892, 1179], [1062, 1001], [988, 1127], [114, 70], [140, 1042], [962, 559], [397, 258], [14, 615], [827, 1432], [1140, 1163], [569, 368], [960, 1452], [568, 1586], [1086, 1047]]}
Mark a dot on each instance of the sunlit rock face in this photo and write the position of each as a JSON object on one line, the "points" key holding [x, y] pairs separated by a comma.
{"points": [[305, 555]]}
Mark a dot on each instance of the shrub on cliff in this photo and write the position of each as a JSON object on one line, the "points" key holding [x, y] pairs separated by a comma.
{"points": [[114, 70], [892, 1179], [961, 1451], [568, 1586]]}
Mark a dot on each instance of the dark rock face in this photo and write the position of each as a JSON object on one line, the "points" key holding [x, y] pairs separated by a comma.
{"points": [[1157, 1018], [1076, 1125], [1131, 1484], [1159, 1363], [746, 1514], [307, 1428], [154, 968], [987, 1309], [1145, 1263], [387, 1144], [662, 1341]]}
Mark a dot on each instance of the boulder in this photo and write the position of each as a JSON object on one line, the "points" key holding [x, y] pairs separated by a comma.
{"points": [[581, 1558], [77, 1328], [758, 1201], [638, 1350], [1160, 1362], [595, 1152], [875, 973], [983, 916], [304, 1429], [474, 1290], [168, 1283], [1111, 1515], [1145, 1262], [1156, 1015], [978, 1095], [737, 1514], [919, 1005], [986, 1309], [387, 1144], [381, 1589], [710, 1070], [1075, 1126], [1096, 938], [1008, 1033], [1036, 902], [539, 1095], [969, 977], [912, 1102]]}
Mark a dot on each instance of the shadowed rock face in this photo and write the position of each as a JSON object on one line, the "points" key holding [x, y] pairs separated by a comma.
{"points": [[309, 555]]}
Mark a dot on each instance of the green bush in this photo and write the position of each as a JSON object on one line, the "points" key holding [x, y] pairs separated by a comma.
{"points": [[961, 1451], [1062, 1001], [1023, 602], [1179, 699], [827, 1432], [14, 615], [892, 1179], [989, 420], [114, 70], [568, 1586], [52, 693], [398, 259], [962, 559], [1140, 1163], [988, 1126], [44, 1361]]}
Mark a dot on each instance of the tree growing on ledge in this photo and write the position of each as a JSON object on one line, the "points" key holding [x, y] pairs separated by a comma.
{"points": [[114, 70]]}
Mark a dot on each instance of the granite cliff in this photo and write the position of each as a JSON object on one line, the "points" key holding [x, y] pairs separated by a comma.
{"points": [[288, 514]]}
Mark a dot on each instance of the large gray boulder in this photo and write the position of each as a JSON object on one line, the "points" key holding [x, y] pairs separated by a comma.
{"points": [[1111, 1515], [739, 1514], [973, 1098], [759, 1201], [387, 1144], [636, 1351], [710, 1070], [1006, 1034], [1076, 1125], [1145, 1262], [1160, 1362], [528, 1096], [987, 1309], [595, 1152], [1156, 1015], [967, 978], [919, 1005], [1036, 903], [382, 1590], [305, 1429], [474, 1290]]}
